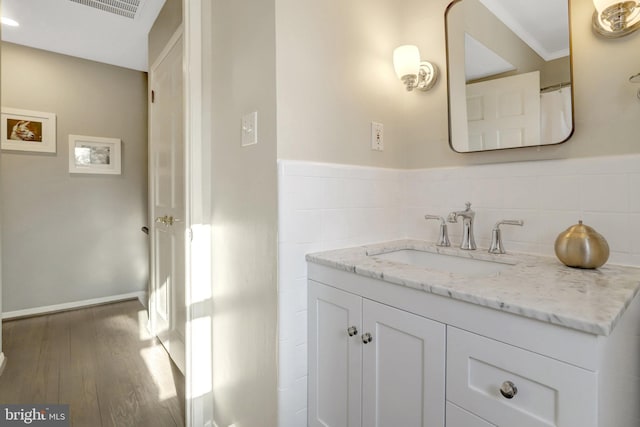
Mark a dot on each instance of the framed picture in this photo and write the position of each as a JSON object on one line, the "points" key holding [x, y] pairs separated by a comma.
{"points": [[91, 154], [26, 130]]}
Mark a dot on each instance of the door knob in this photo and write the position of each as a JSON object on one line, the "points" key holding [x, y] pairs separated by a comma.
{"points": [[166, 220], [367, 338], [352, 331]]}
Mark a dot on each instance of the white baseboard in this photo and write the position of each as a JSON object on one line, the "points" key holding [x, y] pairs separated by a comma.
{"points": [[142, 296], [3, 362]]}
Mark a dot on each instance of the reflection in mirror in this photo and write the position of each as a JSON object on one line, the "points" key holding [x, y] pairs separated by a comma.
{"points": [[509, 73]]}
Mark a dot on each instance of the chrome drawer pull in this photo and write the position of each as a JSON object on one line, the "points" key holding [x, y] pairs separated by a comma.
{"points": [[508, 390], [367, 338], [352, 331]]}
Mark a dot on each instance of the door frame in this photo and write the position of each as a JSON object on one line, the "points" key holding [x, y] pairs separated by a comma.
{"points": [[198, 281], [197, 155]]}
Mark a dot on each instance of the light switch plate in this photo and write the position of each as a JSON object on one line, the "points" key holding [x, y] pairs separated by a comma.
{"points": [[250, 129]]}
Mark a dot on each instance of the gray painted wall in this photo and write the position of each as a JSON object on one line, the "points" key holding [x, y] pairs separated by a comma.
{"points": [[73, 237], [1, 204], [168, 20], [244, 216], [335, 75], [606, 108]]}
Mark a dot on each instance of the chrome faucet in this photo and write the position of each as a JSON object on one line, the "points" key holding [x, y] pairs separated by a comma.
{"points": [[497, 247], [443, 236], [468, 242]]}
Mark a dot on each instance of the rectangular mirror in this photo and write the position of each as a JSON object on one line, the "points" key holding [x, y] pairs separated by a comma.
{"points": [[509, 74]]}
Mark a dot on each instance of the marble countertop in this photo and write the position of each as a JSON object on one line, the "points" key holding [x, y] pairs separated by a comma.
{"points": [[537, 287]]}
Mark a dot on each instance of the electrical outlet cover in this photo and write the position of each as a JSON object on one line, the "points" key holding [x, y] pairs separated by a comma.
{"points": [[377, 136]]}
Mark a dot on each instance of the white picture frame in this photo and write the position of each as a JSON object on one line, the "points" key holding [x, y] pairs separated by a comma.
{"points": [[27, 130], [94, 155]]}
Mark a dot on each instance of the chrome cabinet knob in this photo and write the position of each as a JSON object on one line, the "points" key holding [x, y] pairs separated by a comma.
{"points": [[352, 331], [367, 338], [508, 390]]}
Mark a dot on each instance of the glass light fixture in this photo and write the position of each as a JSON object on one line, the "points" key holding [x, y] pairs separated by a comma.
{"points": [[8, 21], [616, 18], [413, 72]]}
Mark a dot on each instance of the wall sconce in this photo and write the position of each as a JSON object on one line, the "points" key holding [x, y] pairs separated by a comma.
{"points": [[635, 79], [616, 18], [415, 74]]}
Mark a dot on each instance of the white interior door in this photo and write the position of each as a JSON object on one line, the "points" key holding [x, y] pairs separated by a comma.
{"points": [[167, 308], [504, 113]]}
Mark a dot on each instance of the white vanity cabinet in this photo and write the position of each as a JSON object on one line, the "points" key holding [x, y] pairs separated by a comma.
{"points": [[371, 364], [424, 344]]}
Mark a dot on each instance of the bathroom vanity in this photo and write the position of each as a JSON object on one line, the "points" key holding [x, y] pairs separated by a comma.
{"points": [[406, 334]]}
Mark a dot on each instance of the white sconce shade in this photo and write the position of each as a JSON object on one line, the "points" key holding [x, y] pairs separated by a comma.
{"points": [[413, 72], [406, 60], [8, 21], [616, 18]]}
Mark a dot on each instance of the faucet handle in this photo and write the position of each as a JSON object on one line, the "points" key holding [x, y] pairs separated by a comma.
{"points": [[435, 217], [468, 205], [443, 237], [497, 246], [509, 222]]}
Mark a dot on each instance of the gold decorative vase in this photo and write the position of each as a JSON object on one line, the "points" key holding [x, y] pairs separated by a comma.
{"points": [[581, 246]]}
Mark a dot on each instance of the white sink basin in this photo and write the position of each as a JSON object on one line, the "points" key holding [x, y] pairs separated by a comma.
{"points": [[444, 263]]}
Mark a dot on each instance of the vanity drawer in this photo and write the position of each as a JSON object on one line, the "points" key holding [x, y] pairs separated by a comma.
{"points": [[549, 392]]}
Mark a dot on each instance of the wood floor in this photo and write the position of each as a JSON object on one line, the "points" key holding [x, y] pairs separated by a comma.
{"points": [[99, 360]]}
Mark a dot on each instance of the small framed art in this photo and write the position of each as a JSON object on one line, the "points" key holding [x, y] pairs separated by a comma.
{"points": [[26, 130], [92, 154]]}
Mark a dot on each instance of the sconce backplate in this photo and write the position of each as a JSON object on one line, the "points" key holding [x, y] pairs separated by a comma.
{"points": [[428, 76], [609, 33]]}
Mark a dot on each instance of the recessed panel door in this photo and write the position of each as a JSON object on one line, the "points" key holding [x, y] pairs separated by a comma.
{"points": [[335, 357], [167, 307], [403, 375], [505, 112]]}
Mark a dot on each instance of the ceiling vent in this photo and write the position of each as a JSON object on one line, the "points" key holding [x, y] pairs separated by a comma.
{"points": [[126, 8]]}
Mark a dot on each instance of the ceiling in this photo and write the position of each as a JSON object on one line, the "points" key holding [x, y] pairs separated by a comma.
{"points": [[78, 28], [72, 28], [481, 62], [542, 24]]}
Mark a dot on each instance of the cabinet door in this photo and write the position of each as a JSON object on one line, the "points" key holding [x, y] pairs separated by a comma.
{"points": [[335, 357], [458, 417], [403, 369]]}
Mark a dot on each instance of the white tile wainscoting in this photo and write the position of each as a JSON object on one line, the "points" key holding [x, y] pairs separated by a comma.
{"points": [[328, 206], [322, 206]]}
